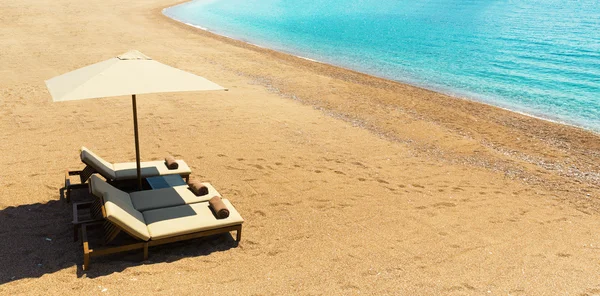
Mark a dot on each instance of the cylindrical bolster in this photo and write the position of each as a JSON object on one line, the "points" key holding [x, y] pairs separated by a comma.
{"points": [[171, 162], [219, 208], [198, 188]]}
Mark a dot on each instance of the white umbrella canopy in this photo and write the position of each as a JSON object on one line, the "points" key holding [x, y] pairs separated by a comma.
{"points": [[128, 74]]}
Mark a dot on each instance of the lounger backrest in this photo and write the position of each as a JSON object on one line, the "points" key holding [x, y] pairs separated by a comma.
{"points": [[119, 209], [103, 167], [99, 187], [125, 216]]}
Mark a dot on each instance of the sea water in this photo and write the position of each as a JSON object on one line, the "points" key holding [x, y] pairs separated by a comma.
{"points": [[539, 57]]}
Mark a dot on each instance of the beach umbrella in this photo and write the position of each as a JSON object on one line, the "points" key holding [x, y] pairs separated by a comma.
{"points": [[131, 73]]}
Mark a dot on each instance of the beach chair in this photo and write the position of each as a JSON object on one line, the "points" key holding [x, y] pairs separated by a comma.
{"points": [[119, 172], [178, 219]]}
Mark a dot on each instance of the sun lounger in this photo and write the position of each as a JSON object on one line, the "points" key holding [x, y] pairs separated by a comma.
{"points": [[178, 218], [119, 171], [153, 199]]}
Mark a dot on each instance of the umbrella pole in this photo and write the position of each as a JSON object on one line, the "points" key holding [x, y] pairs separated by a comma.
{"points": [[137, 142]]}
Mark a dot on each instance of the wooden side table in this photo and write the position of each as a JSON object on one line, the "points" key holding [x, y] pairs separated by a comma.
{"points": [[167, 181], [85, 212]]}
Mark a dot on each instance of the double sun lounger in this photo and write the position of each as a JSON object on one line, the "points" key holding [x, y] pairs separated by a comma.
{"points": [[150, 217], [153, 217]]}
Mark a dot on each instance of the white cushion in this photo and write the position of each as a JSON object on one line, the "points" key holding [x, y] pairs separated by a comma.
{"points": [[128, 170], [169, 197], [180, 220], [126, 217], [119, 209], [102, 166], [99, 188]]}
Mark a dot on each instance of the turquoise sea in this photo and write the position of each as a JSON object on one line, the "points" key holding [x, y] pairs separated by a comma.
{"points": [[539, 57]]}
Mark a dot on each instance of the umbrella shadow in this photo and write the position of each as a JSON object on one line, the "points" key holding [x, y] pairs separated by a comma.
{"points": [[37, 239]]}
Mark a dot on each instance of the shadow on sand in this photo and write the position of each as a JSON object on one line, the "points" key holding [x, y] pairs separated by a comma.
{"points": [[37, 239]]}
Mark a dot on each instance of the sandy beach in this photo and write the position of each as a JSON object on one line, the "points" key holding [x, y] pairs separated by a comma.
{"points": [[348, 184]]}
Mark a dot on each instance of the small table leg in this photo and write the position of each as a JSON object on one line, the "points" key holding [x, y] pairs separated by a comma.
{"points": [[238, 236]]}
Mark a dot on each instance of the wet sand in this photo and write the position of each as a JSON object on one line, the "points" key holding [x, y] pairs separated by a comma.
{"points": [[348, 183]]}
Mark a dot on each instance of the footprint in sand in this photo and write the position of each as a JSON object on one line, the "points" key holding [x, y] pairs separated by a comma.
{"points": [[351, 287], [249, 242], [444, 205], [359, 164], [233, 168], [275, 204]]}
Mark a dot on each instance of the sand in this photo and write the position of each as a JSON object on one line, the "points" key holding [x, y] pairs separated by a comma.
{"points": [[349, 184]]}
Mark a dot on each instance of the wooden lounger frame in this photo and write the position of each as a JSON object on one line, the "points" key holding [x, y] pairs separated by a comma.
{"points": [[111, 231], [85, 174]]}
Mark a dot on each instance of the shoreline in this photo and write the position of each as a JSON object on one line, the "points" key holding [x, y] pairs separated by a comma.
{"points": [[474, 98]]}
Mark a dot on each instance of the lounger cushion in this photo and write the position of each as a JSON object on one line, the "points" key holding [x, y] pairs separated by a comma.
{"points": [[126, 217], [119, 209], [99, 188], [128, 170], [102, 166], [168, 197], [180, 220]]}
